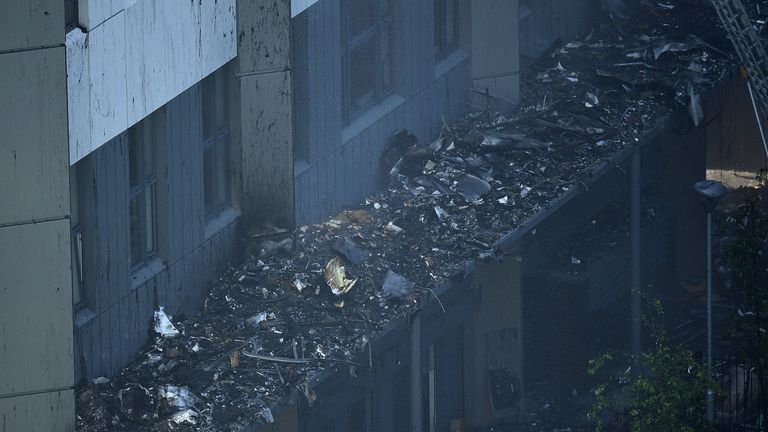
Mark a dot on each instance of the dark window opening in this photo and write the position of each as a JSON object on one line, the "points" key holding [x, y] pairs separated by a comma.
{"points": [[446, 27], [77, 258], [71, 15], [216, 153], [142, 141], [367, 55]]}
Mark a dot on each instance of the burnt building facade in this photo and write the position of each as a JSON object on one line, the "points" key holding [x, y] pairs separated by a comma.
{"points": [[225, 120]]}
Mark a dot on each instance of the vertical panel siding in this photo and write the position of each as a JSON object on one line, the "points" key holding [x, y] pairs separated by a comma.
{"points": [[124, 309], [343, 173], [345, 177], [173, 161]]}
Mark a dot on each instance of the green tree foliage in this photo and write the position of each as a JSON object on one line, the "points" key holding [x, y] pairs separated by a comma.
{"points": [[667, 392]]}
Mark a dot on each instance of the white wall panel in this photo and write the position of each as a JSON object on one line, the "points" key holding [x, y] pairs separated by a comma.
{"points": [[162, 57], [106, 49], [218, 24], [79, 93], [91, 13], [298, 6], [138, 60]]}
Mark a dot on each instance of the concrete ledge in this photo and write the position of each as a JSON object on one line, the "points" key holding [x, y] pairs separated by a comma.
{"points": [[371, 117], [449, 63], [227, 217]]}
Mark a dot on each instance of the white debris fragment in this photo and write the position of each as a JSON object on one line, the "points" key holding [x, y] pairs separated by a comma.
{"points": [[257, 319], [504, 200], [179, 397], [377, 206], [441, 214], [266, 414], [163, 324], [393, 228], [524, 191], [299, 286], [592, 100], [575, 261], [594, 130], [186, 416], [101, 380], [153, 358]]}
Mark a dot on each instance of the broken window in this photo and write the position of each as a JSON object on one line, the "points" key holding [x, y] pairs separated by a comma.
{"points": [[215, 142], [367, 55], [446, 27], [142, 141]]}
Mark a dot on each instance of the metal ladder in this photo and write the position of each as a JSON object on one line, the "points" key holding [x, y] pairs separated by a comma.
{"points": [[750, 50], [748, 46]]}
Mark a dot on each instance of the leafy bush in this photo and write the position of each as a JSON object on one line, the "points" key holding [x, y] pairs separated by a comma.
{"points": [[667, 392]]}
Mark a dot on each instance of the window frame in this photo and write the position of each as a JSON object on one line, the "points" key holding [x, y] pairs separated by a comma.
{"points": [[444, 46], [382, 27], [142, 140], [78, 295], [218, 141]]}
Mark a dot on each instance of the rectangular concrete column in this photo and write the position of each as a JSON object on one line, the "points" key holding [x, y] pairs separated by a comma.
{"points": [[495, 52], [36, 343], [266, 125], [494, 339]]}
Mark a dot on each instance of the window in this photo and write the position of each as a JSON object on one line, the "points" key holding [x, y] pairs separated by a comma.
{"points": [[142, 141], [215, 143], [367, 54], [77, 265], [70, 14], [76, 234], [446, 27]]}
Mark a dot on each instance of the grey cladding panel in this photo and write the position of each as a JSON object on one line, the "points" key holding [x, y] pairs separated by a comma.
{"points": [[263, 42], [34, 167], [35, 307], [45, 412], [31, 24], [268, 147]]}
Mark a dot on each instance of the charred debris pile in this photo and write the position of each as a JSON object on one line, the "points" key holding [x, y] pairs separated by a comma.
{"points": [[312, 301]]}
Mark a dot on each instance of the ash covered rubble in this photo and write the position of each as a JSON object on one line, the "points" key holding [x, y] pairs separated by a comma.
{"points": [[312, 301]]}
